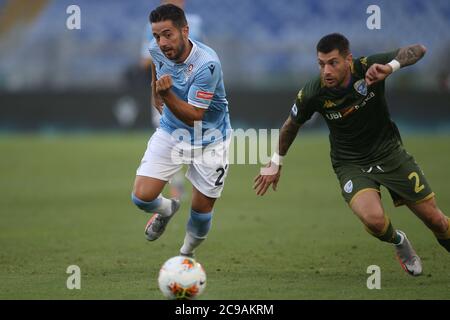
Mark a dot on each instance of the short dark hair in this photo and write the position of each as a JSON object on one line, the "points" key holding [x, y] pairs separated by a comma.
{"points": [[169, 12], [334, 41]]}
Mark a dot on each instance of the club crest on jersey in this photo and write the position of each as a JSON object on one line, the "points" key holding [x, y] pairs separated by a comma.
{"points": [[188, 72], [348, 186], [361, 87]]}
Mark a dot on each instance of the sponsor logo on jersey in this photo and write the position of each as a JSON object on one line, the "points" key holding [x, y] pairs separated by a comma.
{"points": [[329, 104], [348, 187], [334, 115], [344, 112], [204, 95], [361, 87]]}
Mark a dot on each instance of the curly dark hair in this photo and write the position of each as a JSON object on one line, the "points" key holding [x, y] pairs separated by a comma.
{"points": [[169, 12], [334, 41]]}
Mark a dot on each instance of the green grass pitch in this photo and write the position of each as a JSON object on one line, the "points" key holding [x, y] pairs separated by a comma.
{"points": [[65, 200]]}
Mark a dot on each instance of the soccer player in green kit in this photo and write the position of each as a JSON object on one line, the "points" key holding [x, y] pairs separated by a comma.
{"points": [[366, 148]]}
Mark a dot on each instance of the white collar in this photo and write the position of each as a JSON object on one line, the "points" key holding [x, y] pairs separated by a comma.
{"points": [[193, 50]]}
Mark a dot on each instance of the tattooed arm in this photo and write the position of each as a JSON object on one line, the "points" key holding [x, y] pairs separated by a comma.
{"points": [[271, 174], [406, 56], [287, 136], [410, 55]]}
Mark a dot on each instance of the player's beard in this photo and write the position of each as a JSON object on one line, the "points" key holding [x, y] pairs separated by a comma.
{"points": [[332, 85], [338, 81], [178, 52]]}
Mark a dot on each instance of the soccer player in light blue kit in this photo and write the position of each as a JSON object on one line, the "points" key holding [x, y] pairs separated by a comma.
{"points": [[195, 121], [195, 23]]}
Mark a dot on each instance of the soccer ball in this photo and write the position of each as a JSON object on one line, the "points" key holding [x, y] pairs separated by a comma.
{"points": [[182, 278]]}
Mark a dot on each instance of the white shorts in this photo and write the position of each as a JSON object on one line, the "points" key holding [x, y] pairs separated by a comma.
{"points": [[156, 117], [207, 166]]}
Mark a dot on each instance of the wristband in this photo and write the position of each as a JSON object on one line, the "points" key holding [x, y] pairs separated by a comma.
{"points": [[277, 159], [395, 65]]}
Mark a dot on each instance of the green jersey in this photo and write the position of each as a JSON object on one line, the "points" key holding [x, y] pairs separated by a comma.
{"points": [[361, 130]]}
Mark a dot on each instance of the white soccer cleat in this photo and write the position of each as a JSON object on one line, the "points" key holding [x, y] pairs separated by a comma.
{"points": [[408, 258], [157, 224]]}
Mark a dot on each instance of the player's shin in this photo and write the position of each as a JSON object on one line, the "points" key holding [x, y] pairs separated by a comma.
{"points": [[160, 205], [444, 238], [388, 233], [196, 231]]}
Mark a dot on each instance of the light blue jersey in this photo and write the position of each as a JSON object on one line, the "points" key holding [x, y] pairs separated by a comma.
{"points": [[199, 82]]}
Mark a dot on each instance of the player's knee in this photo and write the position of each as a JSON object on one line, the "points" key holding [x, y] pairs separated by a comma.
{"points": [[438, 222], [143, 193], [202, 203], [376, 224], [203, 207], [433, 216]]}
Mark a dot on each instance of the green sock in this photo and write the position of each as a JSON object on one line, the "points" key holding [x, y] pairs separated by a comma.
{"points": [[445, 243], [388, 234], [444, 238]]}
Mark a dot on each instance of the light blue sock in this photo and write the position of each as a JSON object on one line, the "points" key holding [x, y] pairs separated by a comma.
{"points": [[196, 230], [160, 205], [199, 224]]}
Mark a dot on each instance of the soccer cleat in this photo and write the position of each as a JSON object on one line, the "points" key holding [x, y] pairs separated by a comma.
{"points": [[408, 258], [157, 223]]}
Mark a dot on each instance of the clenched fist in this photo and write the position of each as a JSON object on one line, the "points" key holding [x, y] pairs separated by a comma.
{"points": [[163, 84], [377, 72]]}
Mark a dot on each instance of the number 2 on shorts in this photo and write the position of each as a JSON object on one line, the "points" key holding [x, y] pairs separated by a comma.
{"points": [[417, 187], [221, 172]]}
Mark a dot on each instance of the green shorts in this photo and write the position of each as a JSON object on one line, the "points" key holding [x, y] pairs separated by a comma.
{"points": [[400, 175]]}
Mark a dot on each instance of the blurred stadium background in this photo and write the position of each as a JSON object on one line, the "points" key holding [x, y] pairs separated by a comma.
{"points": [[74, 123], [52, 78]]}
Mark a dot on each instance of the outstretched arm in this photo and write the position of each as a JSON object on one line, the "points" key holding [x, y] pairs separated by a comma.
{"points": [[406, 56], [288, 133], [409, 55], [270, 175]]}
